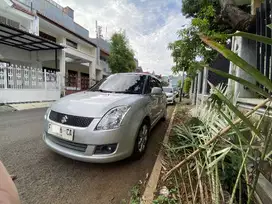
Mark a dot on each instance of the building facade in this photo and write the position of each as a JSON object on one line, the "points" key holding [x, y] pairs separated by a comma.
{"points": [[41, 36]]}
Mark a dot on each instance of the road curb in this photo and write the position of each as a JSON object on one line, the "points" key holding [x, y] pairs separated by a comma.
{"points": [[151, 186], [28, 106]]}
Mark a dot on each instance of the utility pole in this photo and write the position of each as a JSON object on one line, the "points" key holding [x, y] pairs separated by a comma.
{"points": [[182, 84]]}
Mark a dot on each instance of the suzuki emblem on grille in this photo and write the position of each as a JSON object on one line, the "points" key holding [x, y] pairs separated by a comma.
{"points": [[64, 119]]}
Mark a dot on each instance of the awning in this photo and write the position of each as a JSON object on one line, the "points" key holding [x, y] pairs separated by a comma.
{"points": [[23, 40]]}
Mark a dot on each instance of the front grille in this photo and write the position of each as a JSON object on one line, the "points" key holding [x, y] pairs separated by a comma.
{"points": [[70, 145], [76, 121]]}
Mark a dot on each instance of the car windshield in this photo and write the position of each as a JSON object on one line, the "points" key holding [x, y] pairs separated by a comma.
{"points": [[167, 90], [121, 83]]}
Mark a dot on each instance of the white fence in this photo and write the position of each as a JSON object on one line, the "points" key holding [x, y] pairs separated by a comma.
{"points": [[26, 84]]}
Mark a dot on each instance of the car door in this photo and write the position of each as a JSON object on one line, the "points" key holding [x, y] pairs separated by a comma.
{"points": [[153, 99], [161, 99]]}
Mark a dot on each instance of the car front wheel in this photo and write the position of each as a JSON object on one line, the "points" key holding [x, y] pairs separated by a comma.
{"points": [[141, 141]]}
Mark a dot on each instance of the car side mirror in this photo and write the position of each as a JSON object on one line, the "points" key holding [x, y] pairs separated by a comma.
{"points": [[156, 90]]}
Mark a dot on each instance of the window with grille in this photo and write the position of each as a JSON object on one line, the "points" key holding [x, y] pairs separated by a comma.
{"points": [[71, 79], [84, 81]]}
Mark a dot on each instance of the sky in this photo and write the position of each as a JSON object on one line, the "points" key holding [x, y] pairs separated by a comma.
{"points": [[149, 25]]}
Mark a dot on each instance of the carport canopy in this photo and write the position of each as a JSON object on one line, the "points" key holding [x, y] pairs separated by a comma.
{"points": [[23, 40]]}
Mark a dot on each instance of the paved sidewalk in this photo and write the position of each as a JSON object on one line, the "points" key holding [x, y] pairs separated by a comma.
{"points": [[27, 106], [24, 106], [6, 108]]}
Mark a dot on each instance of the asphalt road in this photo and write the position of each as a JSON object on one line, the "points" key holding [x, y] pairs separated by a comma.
{"points": [[46, 177]]}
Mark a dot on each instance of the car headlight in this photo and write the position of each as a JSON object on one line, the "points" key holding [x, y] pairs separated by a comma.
{"points": [[46, 113], [113, 118]]}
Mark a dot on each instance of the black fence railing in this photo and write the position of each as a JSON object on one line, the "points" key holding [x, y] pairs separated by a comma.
{"points": [[263, 51]]}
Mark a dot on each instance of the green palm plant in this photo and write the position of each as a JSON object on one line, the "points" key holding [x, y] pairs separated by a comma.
{"points": [[222, 140]]}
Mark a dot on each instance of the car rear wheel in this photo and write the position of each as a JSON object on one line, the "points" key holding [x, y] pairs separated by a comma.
{"points": [[141, 141]]}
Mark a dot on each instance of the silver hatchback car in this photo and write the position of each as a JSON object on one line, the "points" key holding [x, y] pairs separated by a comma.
{"points": [[109, 122]]}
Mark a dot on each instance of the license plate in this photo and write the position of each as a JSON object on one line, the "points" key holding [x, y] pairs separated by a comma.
{"points": [[62, 132]]}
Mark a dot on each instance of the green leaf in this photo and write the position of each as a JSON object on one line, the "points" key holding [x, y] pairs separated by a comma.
{"points": [[221, 151], [241, 81], [254, 37], [269, 26], [259, 77], [222, 156], [268, 155], [236, 111]]}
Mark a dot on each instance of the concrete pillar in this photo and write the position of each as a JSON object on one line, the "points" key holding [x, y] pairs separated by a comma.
{"points": [[246, 49], [98, 55], [62, 67], [205, 83], [62, 64], [34, 26], [79, 80], [255, 4], [199, 77], [232, 67], [99, 75], [92, 73], [195, 90]]}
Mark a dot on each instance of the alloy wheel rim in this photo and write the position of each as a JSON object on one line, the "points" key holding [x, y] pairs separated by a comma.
{"points": [[143, 138]]}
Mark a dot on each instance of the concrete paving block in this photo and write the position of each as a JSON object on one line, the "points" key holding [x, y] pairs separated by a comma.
{"points": [[27, 106], [264, 190]]}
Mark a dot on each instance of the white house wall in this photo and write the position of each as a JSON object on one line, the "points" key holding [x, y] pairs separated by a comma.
{"points": [[28, 95], [25, 20], [23, 57], [87, 49], [79, 54]]}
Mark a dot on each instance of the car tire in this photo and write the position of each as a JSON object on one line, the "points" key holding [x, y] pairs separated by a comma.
{"points": [[141, 141]]}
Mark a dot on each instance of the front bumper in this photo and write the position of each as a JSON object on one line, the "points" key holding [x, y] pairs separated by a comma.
{"points": [[170, 100], [86, 140]]}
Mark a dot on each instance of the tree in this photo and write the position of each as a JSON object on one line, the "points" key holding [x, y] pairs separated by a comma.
{"points": [[121, 57], [228, 14], [187, 85], [179, 83], [189, 50]]}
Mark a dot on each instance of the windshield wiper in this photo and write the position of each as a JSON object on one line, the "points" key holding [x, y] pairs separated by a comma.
{"points": [[125, 92], [104, 91]]}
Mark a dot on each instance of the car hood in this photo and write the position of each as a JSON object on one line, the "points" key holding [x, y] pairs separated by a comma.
{"points": [[169, 94], [92, 104]]}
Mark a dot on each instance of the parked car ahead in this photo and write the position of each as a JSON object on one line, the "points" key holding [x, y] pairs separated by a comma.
{"points": [[110, 122], [169, 91]]}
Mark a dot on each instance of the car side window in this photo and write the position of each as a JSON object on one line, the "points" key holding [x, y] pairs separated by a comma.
{"points": [[151, 83], [158, 83]]}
